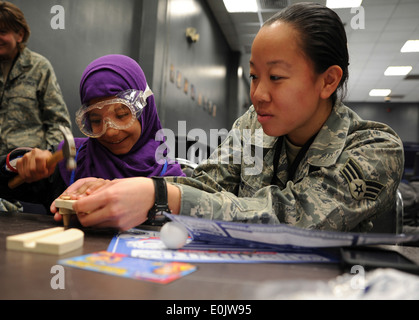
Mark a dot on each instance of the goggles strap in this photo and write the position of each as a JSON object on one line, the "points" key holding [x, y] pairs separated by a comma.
{"points": [[147, 92]]}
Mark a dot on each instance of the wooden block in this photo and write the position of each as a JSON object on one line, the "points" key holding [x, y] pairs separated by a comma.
{"points": [[65, 208], [65, 204], [50, 241]]}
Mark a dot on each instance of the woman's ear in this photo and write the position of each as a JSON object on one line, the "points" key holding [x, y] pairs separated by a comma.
{"points": [[19, 35], [331, 80]]}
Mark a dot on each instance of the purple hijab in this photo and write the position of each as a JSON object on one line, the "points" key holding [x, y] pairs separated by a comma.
{"points": [[104, 77]]}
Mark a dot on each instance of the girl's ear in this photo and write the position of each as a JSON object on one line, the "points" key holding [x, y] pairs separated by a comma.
{"points": [[331, 80]]}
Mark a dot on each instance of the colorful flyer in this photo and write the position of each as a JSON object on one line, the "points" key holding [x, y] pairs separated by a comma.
{"points": [[125, 266], [145, 244], [281, 236]]}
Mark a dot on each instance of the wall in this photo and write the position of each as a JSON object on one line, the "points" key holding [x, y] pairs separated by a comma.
{"points": [[195, 83], [93, 28], [402, 117], [195, 76]]}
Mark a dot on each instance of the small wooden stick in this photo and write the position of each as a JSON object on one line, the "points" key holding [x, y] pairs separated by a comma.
{"points": [[65, 206]]}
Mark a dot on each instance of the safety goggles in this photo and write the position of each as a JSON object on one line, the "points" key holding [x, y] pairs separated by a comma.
{"points": [[119, 113]]}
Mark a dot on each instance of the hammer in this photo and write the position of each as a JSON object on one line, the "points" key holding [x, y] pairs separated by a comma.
{"points": [[68, 152]]}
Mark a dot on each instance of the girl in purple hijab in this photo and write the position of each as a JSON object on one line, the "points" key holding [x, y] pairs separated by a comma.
{"points": [[129, 152], [119, 116]]}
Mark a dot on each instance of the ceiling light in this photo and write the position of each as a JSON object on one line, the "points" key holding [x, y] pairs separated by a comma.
{"points": [[337, 4], [183, 8], [411, 46], [380, 92], [240, 72], [397, 71], [241, 5]]}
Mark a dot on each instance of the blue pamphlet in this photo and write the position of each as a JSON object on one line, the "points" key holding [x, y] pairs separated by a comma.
{"points": [[147, 245], [281, 236]]}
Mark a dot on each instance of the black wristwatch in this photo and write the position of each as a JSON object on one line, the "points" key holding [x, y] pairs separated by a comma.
{"points": [[155, 215]]}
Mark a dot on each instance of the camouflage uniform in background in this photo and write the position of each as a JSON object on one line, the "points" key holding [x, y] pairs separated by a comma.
{"points": [[347, 177], [31, 109], [32, 106]]}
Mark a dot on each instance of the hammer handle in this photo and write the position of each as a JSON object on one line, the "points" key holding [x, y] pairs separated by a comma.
{"points": [[54, 159]]}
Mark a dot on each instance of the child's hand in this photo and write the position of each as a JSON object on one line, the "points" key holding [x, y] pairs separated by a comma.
{"points": [[79, 189], [33, 165]]}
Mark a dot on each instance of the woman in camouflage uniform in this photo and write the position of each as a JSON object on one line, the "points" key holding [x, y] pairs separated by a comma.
{"points": [[316, 164], [32, 106], [31, 103]]}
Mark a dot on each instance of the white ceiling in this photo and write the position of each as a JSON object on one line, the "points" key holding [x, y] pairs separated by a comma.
{"points": [[388, 25]]}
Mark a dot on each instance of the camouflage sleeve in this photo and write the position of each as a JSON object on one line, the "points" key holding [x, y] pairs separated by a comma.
{"points": [[342, 194], [350, 193], [53, 106], [212, 192]]}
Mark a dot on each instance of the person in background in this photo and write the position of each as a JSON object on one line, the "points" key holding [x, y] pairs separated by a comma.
{"points": [[31, 106], [31, 103], [118, 115], [320, 167]]}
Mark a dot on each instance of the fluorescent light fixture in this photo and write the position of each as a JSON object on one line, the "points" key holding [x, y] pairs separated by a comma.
{"points": [[337, 4], [240, 72], [380, 92], [241, 5], [181, 8], [411, 46], [397, 71]]}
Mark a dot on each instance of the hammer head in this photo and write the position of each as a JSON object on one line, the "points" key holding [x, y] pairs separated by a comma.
{"points": [[69, 148]]}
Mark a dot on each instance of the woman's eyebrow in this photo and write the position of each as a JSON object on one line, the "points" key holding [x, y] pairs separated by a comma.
{"points": [[275, 62], [279, 61]]}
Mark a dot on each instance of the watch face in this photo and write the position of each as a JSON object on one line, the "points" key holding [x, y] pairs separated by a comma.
{"points": [[158, 220]]}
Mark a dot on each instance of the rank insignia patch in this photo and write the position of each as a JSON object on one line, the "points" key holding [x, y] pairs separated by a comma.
{"points": [[359, 187]]}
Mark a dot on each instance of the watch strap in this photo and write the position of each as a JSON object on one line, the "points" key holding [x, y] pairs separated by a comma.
{"points": [[155, 215]]}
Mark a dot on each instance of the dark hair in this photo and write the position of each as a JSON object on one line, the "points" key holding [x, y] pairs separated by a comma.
{"points": [[12, 18], [323, 37]]}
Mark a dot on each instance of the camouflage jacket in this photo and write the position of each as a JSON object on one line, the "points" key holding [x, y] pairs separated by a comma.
{"points": [[31, 105], [348, 176]]}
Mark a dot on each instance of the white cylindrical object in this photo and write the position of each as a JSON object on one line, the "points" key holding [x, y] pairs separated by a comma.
{"points": [[173, 235]]}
